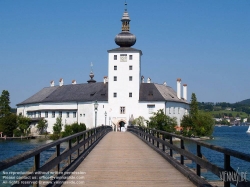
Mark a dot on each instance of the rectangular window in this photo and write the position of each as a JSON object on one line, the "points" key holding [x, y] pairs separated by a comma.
{"points": [[130, 94], [74, 114], [130, 78], [130, 57], [67, 115], [53, 114], [178, 110], [39, 114], [34, 115], [115, 57], [169, 109], [122, 109], [151, 109], [60, 114], [173, 110], [115, 67], [130, 67], [46, 114], [115, 94], [115, 78]]}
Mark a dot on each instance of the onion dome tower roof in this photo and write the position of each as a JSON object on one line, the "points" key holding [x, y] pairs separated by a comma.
{"points": [[125, 38]]}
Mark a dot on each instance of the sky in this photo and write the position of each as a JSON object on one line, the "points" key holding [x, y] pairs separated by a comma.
{"points": [[205, 43]]}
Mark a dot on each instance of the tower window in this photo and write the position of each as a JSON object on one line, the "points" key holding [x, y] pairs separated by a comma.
{"points": [[130, 67], [115, 57], [115, 67], [130, 94], [122, 109], [130, 57], [115, 78], [130, 78], [115, 94]]}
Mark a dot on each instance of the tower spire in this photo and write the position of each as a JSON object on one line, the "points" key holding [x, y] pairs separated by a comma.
{"points": [[125, 38]]}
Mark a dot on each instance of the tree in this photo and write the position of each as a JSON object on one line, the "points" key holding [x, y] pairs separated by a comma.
{"points": [[5, 103], [139, 121], [203, 124], [42, 126], [163, 122], [57, 128], [23, 124], [73, 129], [193, 106], [197, 123], [8, 124]]}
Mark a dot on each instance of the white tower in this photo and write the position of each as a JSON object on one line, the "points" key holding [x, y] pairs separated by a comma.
{"points": [[124, 74]]}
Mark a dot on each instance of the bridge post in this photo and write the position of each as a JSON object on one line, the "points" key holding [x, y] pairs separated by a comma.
{"points": [[171, 142], [70, 145], [88, 137], [198, 153], [36, 167], [84, 135], [163, 145], [227, 169], [158, 136], [58, 154], [78, 150], [153, 140], [182, 147], [149, 139]]}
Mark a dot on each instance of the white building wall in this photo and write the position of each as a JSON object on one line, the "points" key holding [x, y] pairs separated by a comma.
{"points": [[123, 86], [176, 109], [84, 113]]}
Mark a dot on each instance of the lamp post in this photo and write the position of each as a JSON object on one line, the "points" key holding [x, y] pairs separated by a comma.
{"points": [[105, 117], [96, 108]]}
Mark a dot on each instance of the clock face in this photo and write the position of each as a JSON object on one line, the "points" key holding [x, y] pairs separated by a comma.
{"points": [[123, 58]]}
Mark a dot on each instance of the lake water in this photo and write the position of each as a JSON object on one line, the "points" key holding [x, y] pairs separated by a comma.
{"points": [[234, 138]]}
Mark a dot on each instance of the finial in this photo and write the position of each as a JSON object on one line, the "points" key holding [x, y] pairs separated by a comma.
{"points": [[126, 6], [91, 66]]}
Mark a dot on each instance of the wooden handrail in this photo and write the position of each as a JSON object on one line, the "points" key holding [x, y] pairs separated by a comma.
{"points": [[152, 135], [90, 137]]}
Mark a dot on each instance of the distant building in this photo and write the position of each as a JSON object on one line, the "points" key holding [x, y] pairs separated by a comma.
{"points": [[123, 95]]}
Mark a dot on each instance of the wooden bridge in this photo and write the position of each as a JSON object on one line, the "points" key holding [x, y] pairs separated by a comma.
{"points": [[140, 157]]}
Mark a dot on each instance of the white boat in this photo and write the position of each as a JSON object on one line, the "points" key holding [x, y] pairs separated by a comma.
{"points": [[248, 130]]}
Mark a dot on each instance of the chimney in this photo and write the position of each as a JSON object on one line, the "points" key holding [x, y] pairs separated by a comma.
{"points": [[179, 88], [165, 83], [185, 92], [52, 83], [149, 80], [60, 82], [105, 79], [142, 79], [73, 81]]}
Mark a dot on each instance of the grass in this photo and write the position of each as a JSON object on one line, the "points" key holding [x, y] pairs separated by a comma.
{"points": [[234, 113]]}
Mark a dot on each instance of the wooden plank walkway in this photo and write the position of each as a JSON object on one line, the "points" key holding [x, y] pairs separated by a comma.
{"points": [[121, 159]]}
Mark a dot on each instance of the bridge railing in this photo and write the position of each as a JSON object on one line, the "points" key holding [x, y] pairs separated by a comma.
{"points": [[161, 140], [79, 145]]}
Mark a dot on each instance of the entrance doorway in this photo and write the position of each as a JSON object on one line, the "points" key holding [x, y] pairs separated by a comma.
{"points": [[121, 124]]}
